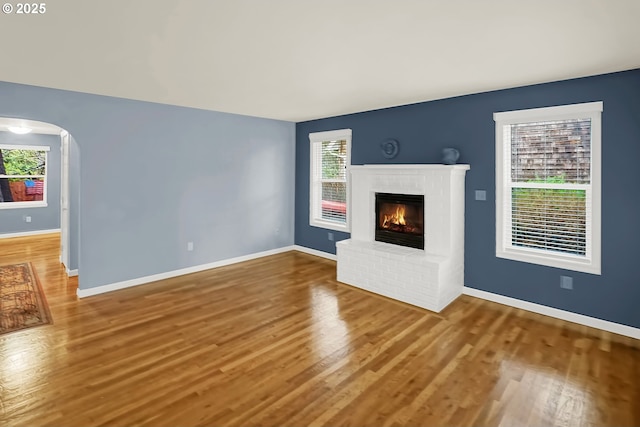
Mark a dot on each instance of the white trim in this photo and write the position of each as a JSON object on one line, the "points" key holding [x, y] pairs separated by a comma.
{"points": [[596, 193], [330, 135], [550, 259], [65, 220], [591, 262], [31, 204], [28, 233], [315, 252], [22, 176], [25, 205], [580, 319], [517, 184], [83, 293], [593, 322], [552, 113], [328, 225], [409, 169], [314, 221], [25, 147]]}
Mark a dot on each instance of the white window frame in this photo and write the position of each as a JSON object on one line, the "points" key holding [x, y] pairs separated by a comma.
{"points": [[35, 204], [315, 198], [591, 262]]}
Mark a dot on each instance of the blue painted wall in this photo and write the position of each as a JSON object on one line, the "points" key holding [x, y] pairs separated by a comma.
{"points": [[43, 218], [153, 177], [467, 123]]}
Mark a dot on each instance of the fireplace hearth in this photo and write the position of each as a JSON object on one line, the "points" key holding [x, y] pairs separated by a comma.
{"points": [[394, 202], [400, 219]]}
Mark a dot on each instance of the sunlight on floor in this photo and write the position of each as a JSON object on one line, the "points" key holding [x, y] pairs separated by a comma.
{"points": [[542, 396], [330, 332], [22, 364]]}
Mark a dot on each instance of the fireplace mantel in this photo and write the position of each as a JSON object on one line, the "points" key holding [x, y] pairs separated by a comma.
{"points": [[429, 278]]}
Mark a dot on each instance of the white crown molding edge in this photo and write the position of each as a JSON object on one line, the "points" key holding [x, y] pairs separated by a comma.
{"points": [[28, 233], [580, 319]]}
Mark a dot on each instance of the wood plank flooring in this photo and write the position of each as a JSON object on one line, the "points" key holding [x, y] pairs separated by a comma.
{"points": [[277, 341]]}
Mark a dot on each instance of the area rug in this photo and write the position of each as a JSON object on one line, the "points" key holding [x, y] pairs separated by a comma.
{"points": [[22, 301]]}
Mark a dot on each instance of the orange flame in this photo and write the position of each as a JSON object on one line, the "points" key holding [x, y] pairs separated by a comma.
{"points": [[396, 218]]}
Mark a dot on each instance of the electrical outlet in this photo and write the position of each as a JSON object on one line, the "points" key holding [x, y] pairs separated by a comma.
{"points": [[481, 194], [27, 218], [566, 282], [330, 236], [189, 246]]}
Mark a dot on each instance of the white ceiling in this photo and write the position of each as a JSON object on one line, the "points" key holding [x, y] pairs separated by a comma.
{"points": [[303, 59]]}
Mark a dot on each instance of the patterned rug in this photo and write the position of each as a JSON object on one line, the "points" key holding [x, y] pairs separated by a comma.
{"points": [[22, 302]]}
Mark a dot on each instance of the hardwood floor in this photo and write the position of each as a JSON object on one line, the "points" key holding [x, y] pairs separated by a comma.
{"points": [[277, 341]]}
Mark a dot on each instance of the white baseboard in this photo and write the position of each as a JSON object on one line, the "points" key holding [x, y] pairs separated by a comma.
{"points": [[28, 233], [315, 252], [580, 319], [83, 293]]}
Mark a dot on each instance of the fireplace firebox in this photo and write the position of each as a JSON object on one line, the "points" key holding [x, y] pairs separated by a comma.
{"points": [[400, 219]]}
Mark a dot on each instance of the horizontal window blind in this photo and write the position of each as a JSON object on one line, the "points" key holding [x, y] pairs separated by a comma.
{"points": [[550, 219], [548, 193], [550, 172], [330, 180]]}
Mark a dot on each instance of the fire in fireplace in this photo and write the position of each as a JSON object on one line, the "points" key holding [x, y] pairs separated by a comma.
{"points": [[400, 219]]}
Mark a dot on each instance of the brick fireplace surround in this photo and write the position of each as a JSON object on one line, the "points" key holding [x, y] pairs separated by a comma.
{"points": [[430, 278]]}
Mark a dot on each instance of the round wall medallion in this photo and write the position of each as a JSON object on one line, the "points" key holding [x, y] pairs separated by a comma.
{"points": [[389, 148]]}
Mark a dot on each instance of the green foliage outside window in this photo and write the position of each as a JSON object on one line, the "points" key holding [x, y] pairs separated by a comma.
{"points": [[333, 159], [23, 162], [539, 214], [334, 155]]}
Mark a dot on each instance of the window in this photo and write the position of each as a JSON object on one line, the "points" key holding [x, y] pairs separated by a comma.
{"points": [[329, 192], [548, 186], [23, 174]]}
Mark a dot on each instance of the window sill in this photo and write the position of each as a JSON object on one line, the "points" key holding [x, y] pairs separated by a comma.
{"points": [[330, 226], [22, 205], [566, 262]]}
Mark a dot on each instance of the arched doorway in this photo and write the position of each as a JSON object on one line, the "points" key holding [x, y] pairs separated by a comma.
{"points": [[23, 189]]}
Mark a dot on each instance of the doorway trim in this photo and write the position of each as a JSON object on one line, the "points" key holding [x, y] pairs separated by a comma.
{"points": [[65, 219]]}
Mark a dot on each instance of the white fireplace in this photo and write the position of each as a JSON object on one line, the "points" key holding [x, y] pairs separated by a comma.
{"points": [[431, 277]]}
